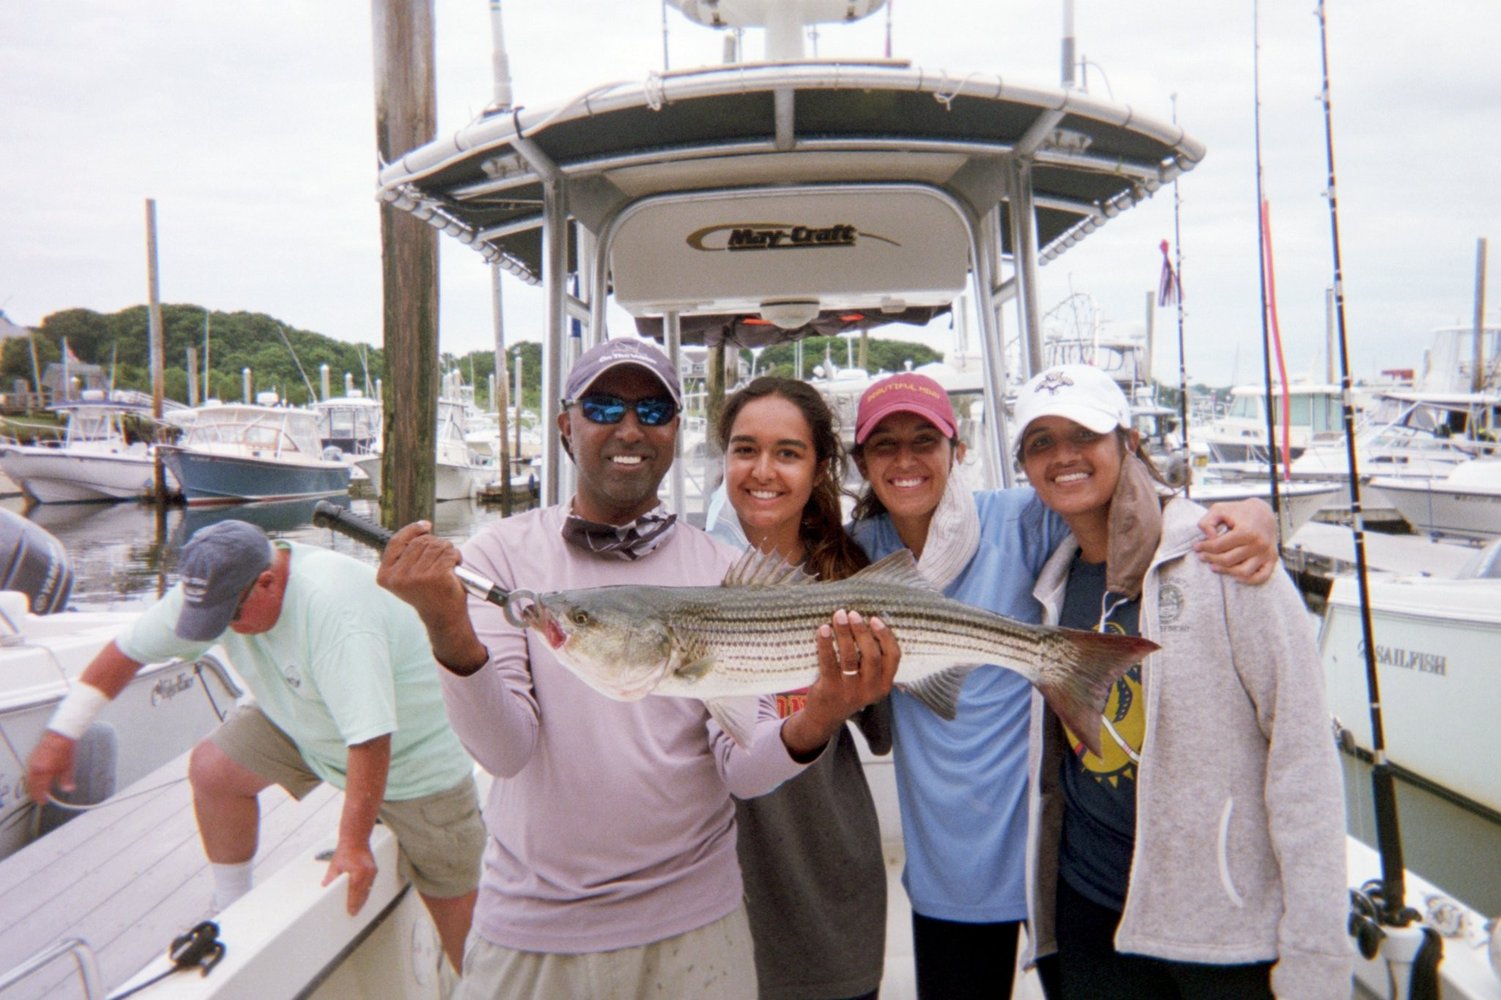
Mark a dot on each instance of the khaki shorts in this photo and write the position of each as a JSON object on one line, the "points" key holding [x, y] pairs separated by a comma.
{"points": [[714, 962], [440, 837]]}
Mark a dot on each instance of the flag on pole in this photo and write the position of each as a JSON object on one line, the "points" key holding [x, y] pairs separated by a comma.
{"points": [[1169, 288]]}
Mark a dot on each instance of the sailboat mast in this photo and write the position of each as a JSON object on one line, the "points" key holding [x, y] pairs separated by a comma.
{"points": [[1383, 781]]}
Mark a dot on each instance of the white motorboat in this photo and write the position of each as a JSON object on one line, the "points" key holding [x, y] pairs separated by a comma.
{"points": [[1296, 502], [1239, 436], [1465, 503], [1410, 434], [239, 451], [460, 473], [1435, 649], [97, 459], [352, 423]]}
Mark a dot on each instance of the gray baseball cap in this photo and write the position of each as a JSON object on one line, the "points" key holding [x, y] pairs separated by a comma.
{"points": [[218, 565], [614, 353]]}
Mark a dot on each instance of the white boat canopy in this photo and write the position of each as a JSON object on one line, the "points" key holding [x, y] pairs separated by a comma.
{"points": [[783, 190]]}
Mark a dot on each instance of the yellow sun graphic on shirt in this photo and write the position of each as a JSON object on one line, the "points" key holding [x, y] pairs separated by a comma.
{"points": [[1122, 725]]}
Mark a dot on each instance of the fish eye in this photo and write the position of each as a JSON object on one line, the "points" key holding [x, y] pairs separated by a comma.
{"points": [[580, 617]]}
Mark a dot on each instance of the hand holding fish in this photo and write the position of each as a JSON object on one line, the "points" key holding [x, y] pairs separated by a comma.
{"points": [[418, 567], [857, 663]]}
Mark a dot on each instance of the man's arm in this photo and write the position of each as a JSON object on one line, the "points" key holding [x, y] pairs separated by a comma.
{"points": [[51, 762], [417, 567], [365, 789], [1240, 539]]}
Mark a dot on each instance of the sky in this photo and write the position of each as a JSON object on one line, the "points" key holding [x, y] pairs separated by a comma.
{"points": [[251, 125]]}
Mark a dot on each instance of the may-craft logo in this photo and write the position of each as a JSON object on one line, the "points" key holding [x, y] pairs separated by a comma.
{"points": [[778, 236]]}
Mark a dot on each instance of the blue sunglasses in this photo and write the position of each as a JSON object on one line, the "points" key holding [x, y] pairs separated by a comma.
{"points": [[600, 408]]}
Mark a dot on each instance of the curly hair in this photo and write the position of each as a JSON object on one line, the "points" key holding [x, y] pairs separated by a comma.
{"points": [[830, 553]]}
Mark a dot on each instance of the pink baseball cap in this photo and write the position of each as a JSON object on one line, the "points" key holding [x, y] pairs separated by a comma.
{"points": [[905, 393]]}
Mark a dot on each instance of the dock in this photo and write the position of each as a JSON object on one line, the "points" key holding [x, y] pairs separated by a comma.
{"points": [[129, 877]]}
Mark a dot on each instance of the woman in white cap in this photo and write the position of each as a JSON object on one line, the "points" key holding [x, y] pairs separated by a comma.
{"points": [[962, 783], [1202, 855]]}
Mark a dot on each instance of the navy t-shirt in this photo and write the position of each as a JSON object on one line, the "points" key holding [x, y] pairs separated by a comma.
{"points": [[1099, 820]]}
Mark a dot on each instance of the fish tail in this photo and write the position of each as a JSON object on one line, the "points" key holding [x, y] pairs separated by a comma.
{"points": [[1077, 672]]}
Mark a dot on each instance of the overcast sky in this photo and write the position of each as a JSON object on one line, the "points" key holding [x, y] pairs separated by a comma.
{"points": [[252, 125]]}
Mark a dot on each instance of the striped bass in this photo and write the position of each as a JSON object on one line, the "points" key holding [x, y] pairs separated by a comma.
{"points": [[754, 635]]}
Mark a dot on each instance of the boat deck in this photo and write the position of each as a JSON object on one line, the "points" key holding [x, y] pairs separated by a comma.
{"points": [[131, 876]]}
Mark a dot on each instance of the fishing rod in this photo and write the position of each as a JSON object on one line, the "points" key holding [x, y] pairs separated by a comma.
{"points": [[1392, 909], [367, 532], [1176, 288], [1261, 263]]}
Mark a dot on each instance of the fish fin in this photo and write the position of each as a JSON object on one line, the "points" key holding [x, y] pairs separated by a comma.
{"points": [[737, 717], [940, 691], [755, 568], [899, 568], [693, 670], [1078, 670]]}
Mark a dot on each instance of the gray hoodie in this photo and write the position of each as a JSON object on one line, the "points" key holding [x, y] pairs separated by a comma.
{"points": [[1240, 842]]}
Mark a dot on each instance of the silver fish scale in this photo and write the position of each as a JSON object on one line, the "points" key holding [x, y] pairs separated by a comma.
{"points": [[759, 634]]}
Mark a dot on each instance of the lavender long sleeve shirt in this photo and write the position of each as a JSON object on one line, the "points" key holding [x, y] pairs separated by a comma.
{"points": [[610, 822]]}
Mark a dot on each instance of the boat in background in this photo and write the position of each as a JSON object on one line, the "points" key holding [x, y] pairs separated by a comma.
{"points": [[238, 451], [352, 423], [1238, 436], [100, 457], [1411, 434], [1465, 503], [1436, 640], [460, 473]]}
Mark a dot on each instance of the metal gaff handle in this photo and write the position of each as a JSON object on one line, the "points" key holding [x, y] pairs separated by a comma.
{"points": [[367, 532]]}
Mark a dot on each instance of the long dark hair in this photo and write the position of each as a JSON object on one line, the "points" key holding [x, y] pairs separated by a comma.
{"points": [[831, 553]]}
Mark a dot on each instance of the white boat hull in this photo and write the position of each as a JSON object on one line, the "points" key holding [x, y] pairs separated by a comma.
{"points": [[1464, 504], [1440, 680], [459, 482], [81, 475], [1296, 502], [163, 711]]}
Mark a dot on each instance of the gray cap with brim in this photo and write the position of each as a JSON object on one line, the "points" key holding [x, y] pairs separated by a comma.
{"points": [[218, 565]]}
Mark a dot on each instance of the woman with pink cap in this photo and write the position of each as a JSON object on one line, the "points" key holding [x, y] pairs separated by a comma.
{"points": [[962, 784], [1201, 855]]}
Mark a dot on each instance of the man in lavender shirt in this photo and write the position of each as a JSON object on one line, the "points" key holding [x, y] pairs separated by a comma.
{"points": [[611, 867]]}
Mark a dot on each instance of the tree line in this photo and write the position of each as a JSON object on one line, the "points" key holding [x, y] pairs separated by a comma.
{"points": [[288, 360]]}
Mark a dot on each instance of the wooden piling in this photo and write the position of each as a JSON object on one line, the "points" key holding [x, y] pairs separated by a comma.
{"points": [[405, 117]]}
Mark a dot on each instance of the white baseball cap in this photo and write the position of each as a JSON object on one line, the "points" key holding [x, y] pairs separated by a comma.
{"points": [[1081, 393]]}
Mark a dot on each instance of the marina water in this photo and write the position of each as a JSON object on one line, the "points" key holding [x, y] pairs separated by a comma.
{"points": [[124, 556]]}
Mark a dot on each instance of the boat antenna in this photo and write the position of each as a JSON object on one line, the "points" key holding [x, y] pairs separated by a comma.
{"points": [[1393, 912], [1266, 344], [311, 395]]}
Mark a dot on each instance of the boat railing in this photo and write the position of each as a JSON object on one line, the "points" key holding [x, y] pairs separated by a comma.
{"points": [[76, 948]]}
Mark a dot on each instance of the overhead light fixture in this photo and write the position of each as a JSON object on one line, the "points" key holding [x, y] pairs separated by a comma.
{"points": [[790, 314]]}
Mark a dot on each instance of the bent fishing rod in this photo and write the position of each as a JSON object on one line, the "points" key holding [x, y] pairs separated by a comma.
{"points": [[367, 532]]}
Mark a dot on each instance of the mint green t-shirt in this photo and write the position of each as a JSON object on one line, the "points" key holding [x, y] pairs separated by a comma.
{"points": [[346, 662]]}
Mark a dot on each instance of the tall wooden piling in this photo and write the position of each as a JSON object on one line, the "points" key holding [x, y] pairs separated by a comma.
{"points": [[405, 117]]}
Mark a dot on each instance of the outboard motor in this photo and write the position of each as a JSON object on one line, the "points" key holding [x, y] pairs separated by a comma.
{"points": [[33, 563]]}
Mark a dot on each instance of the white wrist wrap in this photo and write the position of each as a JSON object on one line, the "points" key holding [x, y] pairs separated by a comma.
{"points": [[76, 711]]}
